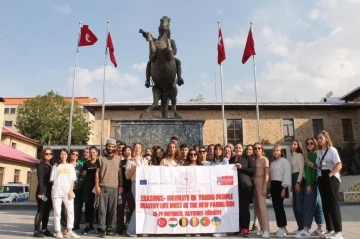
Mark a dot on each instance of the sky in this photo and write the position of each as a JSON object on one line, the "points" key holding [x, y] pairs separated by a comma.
{"points": [[304, 49]]}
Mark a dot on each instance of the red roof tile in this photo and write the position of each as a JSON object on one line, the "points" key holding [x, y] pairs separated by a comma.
{"points": [[11, 154], [20, 101], [6, 131]]}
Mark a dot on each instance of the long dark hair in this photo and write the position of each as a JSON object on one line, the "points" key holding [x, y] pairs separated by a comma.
{"points": [[188, 161]]}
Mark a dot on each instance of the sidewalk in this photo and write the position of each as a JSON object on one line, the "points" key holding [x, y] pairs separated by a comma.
{"points": [[16, 224]]}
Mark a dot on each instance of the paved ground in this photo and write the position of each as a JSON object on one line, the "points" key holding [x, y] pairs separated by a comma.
{"points": [[19, 224]]}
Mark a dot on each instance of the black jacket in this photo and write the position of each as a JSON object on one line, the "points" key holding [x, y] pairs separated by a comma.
{"points": [[43, 175], [247, 171]]}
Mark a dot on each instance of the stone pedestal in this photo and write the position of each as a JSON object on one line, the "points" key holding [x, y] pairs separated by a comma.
{"points": [[159, 132]]}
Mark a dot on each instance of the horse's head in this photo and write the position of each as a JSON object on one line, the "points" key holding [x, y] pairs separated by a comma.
{"points": [[164, 24]]}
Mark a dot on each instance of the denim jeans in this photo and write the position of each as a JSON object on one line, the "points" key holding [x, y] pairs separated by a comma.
{"points": [[298, 202], [310, 201], [319, 214], [132, 224]]}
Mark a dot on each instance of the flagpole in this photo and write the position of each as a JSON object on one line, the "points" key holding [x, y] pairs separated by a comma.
{"points": [[216, 100], [222, 99], [73, 91], [103, 98], [256, 96]]}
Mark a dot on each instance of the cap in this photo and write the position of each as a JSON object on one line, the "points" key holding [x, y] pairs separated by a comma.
{"points": [[111, 141]]}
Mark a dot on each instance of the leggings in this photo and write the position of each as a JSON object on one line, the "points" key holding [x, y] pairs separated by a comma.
{"points": [[42, 214]]}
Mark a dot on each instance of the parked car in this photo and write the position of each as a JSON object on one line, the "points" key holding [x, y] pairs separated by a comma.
{"points": [[14, 192]]}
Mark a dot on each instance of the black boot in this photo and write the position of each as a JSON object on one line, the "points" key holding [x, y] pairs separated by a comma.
{"points": [[147, 83]]}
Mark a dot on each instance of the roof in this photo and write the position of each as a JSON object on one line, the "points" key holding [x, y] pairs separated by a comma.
{"points": [[229, 106], [6, 131], [19, 101], [352, 95], [11, 154]]}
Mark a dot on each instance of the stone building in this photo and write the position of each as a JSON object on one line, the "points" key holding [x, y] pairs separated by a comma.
{"points": [[280, 122]]}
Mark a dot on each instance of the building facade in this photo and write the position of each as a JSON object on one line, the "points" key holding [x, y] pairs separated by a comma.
{"points": [[280, 122]]}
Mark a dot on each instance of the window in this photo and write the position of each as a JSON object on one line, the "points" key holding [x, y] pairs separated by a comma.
{"points": [[8, 123], [1, 176], [85, 111], [318, 126], [12, 110], [113, 132], [347, 130], [234, 131], [13, 145], [16, 176], [288, 130], [28, 178], [6, 110]]}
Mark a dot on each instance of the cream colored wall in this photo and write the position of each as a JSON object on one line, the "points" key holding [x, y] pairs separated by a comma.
{"points": [[9, 170], [1, 116], [21, 145], [270, 121], [10, 117]]}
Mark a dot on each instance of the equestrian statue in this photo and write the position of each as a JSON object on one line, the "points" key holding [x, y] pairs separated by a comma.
{"points": [[163, 68]]}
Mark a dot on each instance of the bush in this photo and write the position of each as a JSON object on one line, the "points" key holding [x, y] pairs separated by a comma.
{"points": [[350, 157]]}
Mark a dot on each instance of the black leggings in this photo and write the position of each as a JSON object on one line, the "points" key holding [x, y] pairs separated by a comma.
{"points": [[245, 197], [42, 214]]}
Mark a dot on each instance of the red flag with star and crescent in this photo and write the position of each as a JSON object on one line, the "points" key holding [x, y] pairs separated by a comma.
{"points": [[87, 37], [110, 45], [249, 48], [221, 48]]}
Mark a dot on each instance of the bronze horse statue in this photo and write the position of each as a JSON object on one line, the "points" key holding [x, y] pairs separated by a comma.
{"points": [[163, 70]]}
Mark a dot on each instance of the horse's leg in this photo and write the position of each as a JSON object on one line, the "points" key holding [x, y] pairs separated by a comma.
{"points": [[164, 106], [173, 94], [170, 51], [156, 97]]}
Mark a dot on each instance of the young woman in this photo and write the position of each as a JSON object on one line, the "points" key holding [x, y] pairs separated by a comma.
{"points": [[329, 164], [245, 169], [63, 177], [130, 172], [280, 175], [203, 157], [297, 168], [228, 153], [78, 201], [149, 151], [260, 180], [172, 156], [88, 173], [312, 197], [158, 155], [210, 152], [219, 156], [43, 194], [192, 159]]}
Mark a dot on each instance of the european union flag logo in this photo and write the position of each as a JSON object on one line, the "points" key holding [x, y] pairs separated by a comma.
{"points": [[143, 182]]}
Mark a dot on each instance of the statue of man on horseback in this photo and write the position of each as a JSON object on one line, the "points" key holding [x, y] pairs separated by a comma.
{"points": [[163, 68]]}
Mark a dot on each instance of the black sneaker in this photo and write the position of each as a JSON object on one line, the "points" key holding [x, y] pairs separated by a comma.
{"points": [[39, 234], [102, 234], [47, 233], [86, 230]]}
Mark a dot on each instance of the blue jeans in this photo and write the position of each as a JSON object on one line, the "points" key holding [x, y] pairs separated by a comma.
{"points": [[298, 202], [319, 214], [310, 201], [132, 224]]}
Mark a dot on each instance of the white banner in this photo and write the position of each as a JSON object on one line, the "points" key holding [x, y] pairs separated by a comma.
{"points": [[186, 199]]}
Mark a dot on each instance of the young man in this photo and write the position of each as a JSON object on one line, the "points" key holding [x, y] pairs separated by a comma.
{"points": [[184, 150], [119, 146], [174, 140], [108, 185]]}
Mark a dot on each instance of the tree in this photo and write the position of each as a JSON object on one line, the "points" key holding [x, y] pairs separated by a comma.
{"points": [[198, 98], [46, 119]]}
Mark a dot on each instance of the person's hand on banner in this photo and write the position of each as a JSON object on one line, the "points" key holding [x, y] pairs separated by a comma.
{"points": [[238, 165]]}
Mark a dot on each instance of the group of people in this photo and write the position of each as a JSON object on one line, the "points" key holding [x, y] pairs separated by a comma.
{"points": [[106, 184]]}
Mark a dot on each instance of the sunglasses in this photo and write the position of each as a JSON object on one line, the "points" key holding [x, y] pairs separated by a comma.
{"points": [[202, 151], [48, 153], [310, 143], [258, 148], [193, 154]]}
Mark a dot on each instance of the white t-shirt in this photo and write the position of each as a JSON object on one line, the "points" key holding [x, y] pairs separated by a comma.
{"points": [[223, 162], [331, 158], [62, 176]]}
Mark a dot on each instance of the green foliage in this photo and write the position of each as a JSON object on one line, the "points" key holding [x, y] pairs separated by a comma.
{"points": [[350, 157], [199, 98], [46, 119]]}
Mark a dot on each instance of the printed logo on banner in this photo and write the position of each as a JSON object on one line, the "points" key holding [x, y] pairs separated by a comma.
{"points": [[216, 221], [186, 178], [205, 221], [225, 180], [162, 222], [143, 182], [194, 222], [183, 222], [173, 222]]}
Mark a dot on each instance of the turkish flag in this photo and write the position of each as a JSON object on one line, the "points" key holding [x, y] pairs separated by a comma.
{"points": [[110, 45], [249, 48], [221, 48], [87, 37]]}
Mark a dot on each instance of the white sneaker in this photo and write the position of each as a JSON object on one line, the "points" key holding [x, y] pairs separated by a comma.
{"points": [[72, 234], [59, 235], [317, 233], [286, 231], [259, 233], [266, 234], [336, 235], [303, 234], [281, 233], [296, 232], [219, 235], [327, 235]]}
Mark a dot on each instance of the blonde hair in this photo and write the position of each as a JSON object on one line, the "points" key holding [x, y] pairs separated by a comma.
{"points": [[277, 146], [326, 135], [262, 148]]}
